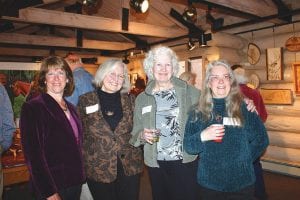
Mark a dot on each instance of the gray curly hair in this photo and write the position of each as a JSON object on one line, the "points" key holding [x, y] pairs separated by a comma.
{"points": [[152, 55]]}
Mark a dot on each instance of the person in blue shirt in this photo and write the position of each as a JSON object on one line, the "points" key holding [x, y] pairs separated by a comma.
{"points": [[227, 137], [82, 78], [7, 126]]}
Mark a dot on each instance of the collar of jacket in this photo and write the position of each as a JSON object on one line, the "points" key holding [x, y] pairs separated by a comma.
{"points": [[174, 80]]}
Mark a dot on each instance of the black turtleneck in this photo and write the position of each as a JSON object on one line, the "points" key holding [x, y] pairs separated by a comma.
{"points": [[111, 107]]}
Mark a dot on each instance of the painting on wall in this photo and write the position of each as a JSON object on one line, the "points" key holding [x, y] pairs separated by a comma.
{"points": [[277, 96], [17, 81], [297, 78], [274, 64]]}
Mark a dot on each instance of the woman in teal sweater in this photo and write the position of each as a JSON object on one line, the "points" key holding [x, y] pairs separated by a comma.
{"points": [[227, 151]]}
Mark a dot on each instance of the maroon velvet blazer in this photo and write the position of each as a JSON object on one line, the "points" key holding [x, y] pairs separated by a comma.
{"points": [[52, 154]]}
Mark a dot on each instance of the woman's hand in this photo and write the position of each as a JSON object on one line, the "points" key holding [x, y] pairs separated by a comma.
{"points": [[213, 132], [150, 135], [54, 197], [250, 105]]}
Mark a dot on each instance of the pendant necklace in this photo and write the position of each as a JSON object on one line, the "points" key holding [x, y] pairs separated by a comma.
{"points": [[217, 117], [64, 107], [109, 113]]}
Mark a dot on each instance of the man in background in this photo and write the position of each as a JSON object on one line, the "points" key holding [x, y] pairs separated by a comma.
{"points": [[7, 127], [5, 83], [82, 78], [239, 72], [188, 77]]}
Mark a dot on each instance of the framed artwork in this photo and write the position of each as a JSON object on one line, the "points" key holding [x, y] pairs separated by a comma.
{"points": [[253, 53], [274, 64], [277, 96], [16, 78], [297, 78]]}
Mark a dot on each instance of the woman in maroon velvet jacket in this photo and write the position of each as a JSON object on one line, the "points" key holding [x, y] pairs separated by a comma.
{"points": [[52, 135]]}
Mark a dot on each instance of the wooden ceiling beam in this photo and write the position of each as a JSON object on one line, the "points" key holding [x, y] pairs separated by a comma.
{"points": [[15, 38], [164, 9], [253, 7], [10, 51], [252, 10], [43, 16]]}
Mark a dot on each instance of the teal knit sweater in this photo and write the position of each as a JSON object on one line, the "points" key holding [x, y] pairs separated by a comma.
{"points": [[226, 166]]}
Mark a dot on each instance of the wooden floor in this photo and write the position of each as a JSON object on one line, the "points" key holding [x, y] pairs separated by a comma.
{"points": [[278, 186]]}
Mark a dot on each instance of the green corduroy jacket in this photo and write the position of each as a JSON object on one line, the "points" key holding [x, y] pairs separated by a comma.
{"points": [[145, 112]]}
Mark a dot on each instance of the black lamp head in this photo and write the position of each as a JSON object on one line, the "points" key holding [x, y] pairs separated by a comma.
{"points": [[190, 14], [202, 41], [89, 3], [125, 60], [191, 45], [140, 6]]}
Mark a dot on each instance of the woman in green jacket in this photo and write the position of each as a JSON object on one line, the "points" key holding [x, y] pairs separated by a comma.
{"points": [[162, 108]]}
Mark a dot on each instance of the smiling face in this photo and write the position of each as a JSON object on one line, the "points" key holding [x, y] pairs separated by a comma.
{"points": [[219, 81], [56, 80], [114, 80], [162, 69]]}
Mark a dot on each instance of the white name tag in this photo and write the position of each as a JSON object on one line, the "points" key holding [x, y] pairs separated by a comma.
{"points": [[229, 121], [92, 109], [146, 109]]}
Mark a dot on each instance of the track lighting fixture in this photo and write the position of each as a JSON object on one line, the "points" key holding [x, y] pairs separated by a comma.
{"points": [[89, 3], [140, 6], [190, 14], [191, 45], [202, 41], [125, 60]]}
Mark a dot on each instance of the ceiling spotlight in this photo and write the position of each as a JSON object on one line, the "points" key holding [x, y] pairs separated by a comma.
{"points": [[89, 2], [125, 60], [140, 6], [190, 14], [202, 41], [191, 45]]}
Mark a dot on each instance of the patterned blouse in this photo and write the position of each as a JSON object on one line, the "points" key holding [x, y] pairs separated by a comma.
{"points": [[169, 146]]}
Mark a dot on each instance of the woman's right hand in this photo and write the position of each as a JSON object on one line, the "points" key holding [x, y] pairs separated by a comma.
{"points": [[54, 197], [213, 132], [149, 135]]}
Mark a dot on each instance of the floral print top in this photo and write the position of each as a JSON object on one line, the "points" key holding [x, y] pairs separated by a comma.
{"points": [[169, 146]]}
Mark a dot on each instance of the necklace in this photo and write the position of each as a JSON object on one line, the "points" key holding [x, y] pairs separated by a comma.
{"points": [[64, 107], [109, 113], [218, 117]]}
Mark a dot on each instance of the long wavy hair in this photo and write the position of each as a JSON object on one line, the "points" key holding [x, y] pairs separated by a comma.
{"points": [[233, 100]]}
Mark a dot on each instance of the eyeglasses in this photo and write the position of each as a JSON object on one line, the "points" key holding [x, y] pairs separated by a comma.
{"points": [[115, 76], [217, 78]]}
